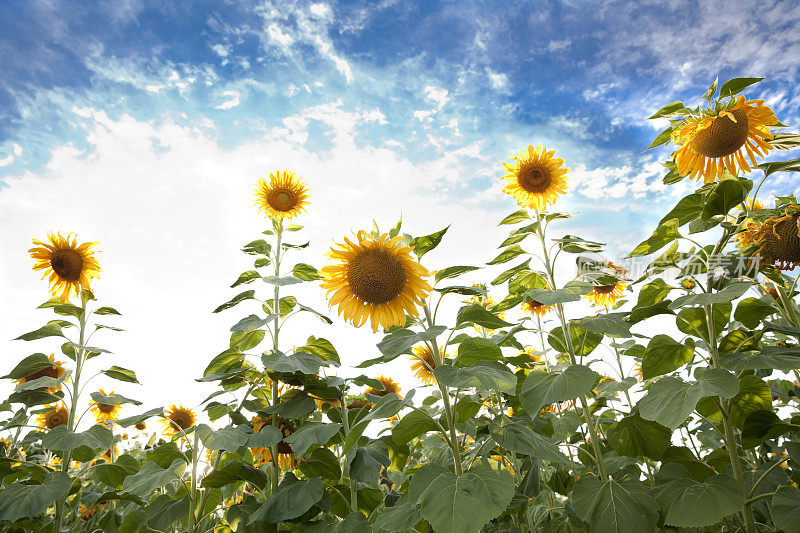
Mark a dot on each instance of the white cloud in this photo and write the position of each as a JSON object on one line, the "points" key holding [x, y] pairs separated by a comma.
{"points": [[497, 80], [320, 10], [436, 95], [555, 46], [231, 102], [276, 34], [6, 161], [222, 50]]}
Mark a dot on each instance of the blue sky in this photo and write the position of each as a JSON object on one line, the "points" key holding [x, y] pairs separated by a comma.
{"points": [[145, 124]]}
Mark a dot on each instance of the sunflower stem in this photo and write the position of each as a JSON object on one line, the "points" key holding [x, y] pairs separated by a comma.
{"points": [[193, 511], [349, 456], [587, 414], [275, 419]]}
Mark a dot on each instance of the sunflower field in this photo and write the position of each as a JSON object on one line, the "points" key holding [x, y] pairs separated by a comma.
{"points": [[672, 407]]}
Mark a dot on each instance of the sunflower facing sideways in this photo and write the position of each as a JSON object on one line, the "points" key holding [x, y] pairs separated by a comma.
{"points": [[723, 138], [423, 364], [389, 387], [535, 178], [68, 266], [375, 278], [777, 240], [104, 412], [283, 196], [177, 419], [57, 416], [607, 295], [55, 371], [287, 460]]}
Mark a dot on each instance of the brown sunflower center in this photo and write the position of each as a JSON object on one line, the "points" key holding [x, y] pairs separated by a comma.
{"points": [[54, 372], [181, 419], [533, 304], [376, 276], [723, 137], [55, 419], [67, 264], [105, 408], [533, 178], [282, 199], [605, 289], [781, 242]]}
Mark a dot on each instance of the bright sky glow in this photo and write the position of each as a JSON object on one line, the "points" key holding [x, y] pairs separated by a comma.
{"points": [[145, 126]]}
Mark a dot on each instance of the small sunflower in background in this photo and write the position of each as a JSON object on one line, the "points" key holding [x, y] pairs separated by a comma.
{"points": [[723, 138], [104, 412], [283, 196], [637, 371], [375, 278], [535, 178], [606, 295], [177, 419], [287, 460], [389, 387], [55, 371], [530, 351], [688, 283], [604, 379], [535, 308], [777, 240], [424, 363], [141, 426], [359, 402], [57, 416], [68, 266]]}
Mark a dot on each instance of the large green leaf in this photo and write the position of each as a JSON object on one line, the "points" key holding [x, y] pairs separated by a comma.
{"points": [[29, 365], [754, 395], [452, 272], [731, 292], [412, 425], [423, 245], [62, 439], [474, 349], [294, 362], [164, 511], [235, 472], [671, 400], [480, 376], [476, 314], [400, 517], [571, 292], [311, 433], [583, 341], [121, 374], [725, 195], [21, 501], [151, 476], [751, 311], [544, 388], [368, 460], [515, 437], [689, 503], [633, 436], [663, 355], [786, 509], [228, 438], [608, 324], [777, 357], [461, 504], [507, 255], [355, 522], [734, 86], [293, 498], [614, 507], [400, 341], [665, 233]]}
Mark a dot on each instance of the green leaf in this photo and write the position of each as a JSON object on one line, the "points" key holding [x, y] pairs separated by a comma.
{"points": [[608, 324], [246, 277], [516, 217], [477, 314], [121, 374], [400, 517], [293, 498], [452, 272], [725, 196], [668, 110], [663, 355], [135, 419], [544, 388], [423, 245], [293, 404], [754, 395], [164, 511], [731, 292], [165, 454], [633, 436], [247, 340], [30, 365], [355, 522], [412, 425], [665, 233], [508, 274], [763, 425], [571, 292], [305, 272], [786, 509], [661, 138], [311, 433], [51, 329], [257, 247], [106, 311], [771, 357], [687, 209], [400, 341], [474, 349], [461, 504], [507, 255], [228, 438], [321, 462], [479, 376], [367, 461], [151, 476], [295, 362], [792, 165], [235, 472], [239, 298], [653, 292], [671, 400], [517, 438], [689, 503], [734, 86], [112, 399], [751, 311], [62, 439], [30, 501], [266, 438], [321, 348], [785, 141], [614, 507], [709, 94]]}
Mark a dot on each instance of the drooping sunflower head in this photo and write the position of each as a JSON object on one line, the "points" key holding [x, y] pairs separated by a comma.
{"points": [[535, 178], [375, 278], [283, 196], [389, 387], [723, 139], [68, 266], [536, 308], [423, 364], [178, 418], [359, 402], [57, 416], [777, 240], [287, 460], [105, 411], [55, 371], [606, 294]]}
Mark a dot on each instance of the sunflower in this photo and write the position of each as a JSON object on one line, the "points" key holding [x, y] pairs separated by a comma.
{"points": [[777, 241], [360, 402], [637, 371], [55, 371], [424, 363], [57, 416], [535, 177], [602, 380], [323, 404], [607, 294], [141, 426], [722, 139], [105, 411], [688, 283], [535, 308], [70, 266], [389, 387], [287, 460], [375, 278], [530, 351], [178, 419], [284, 196], [87, 514]]}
